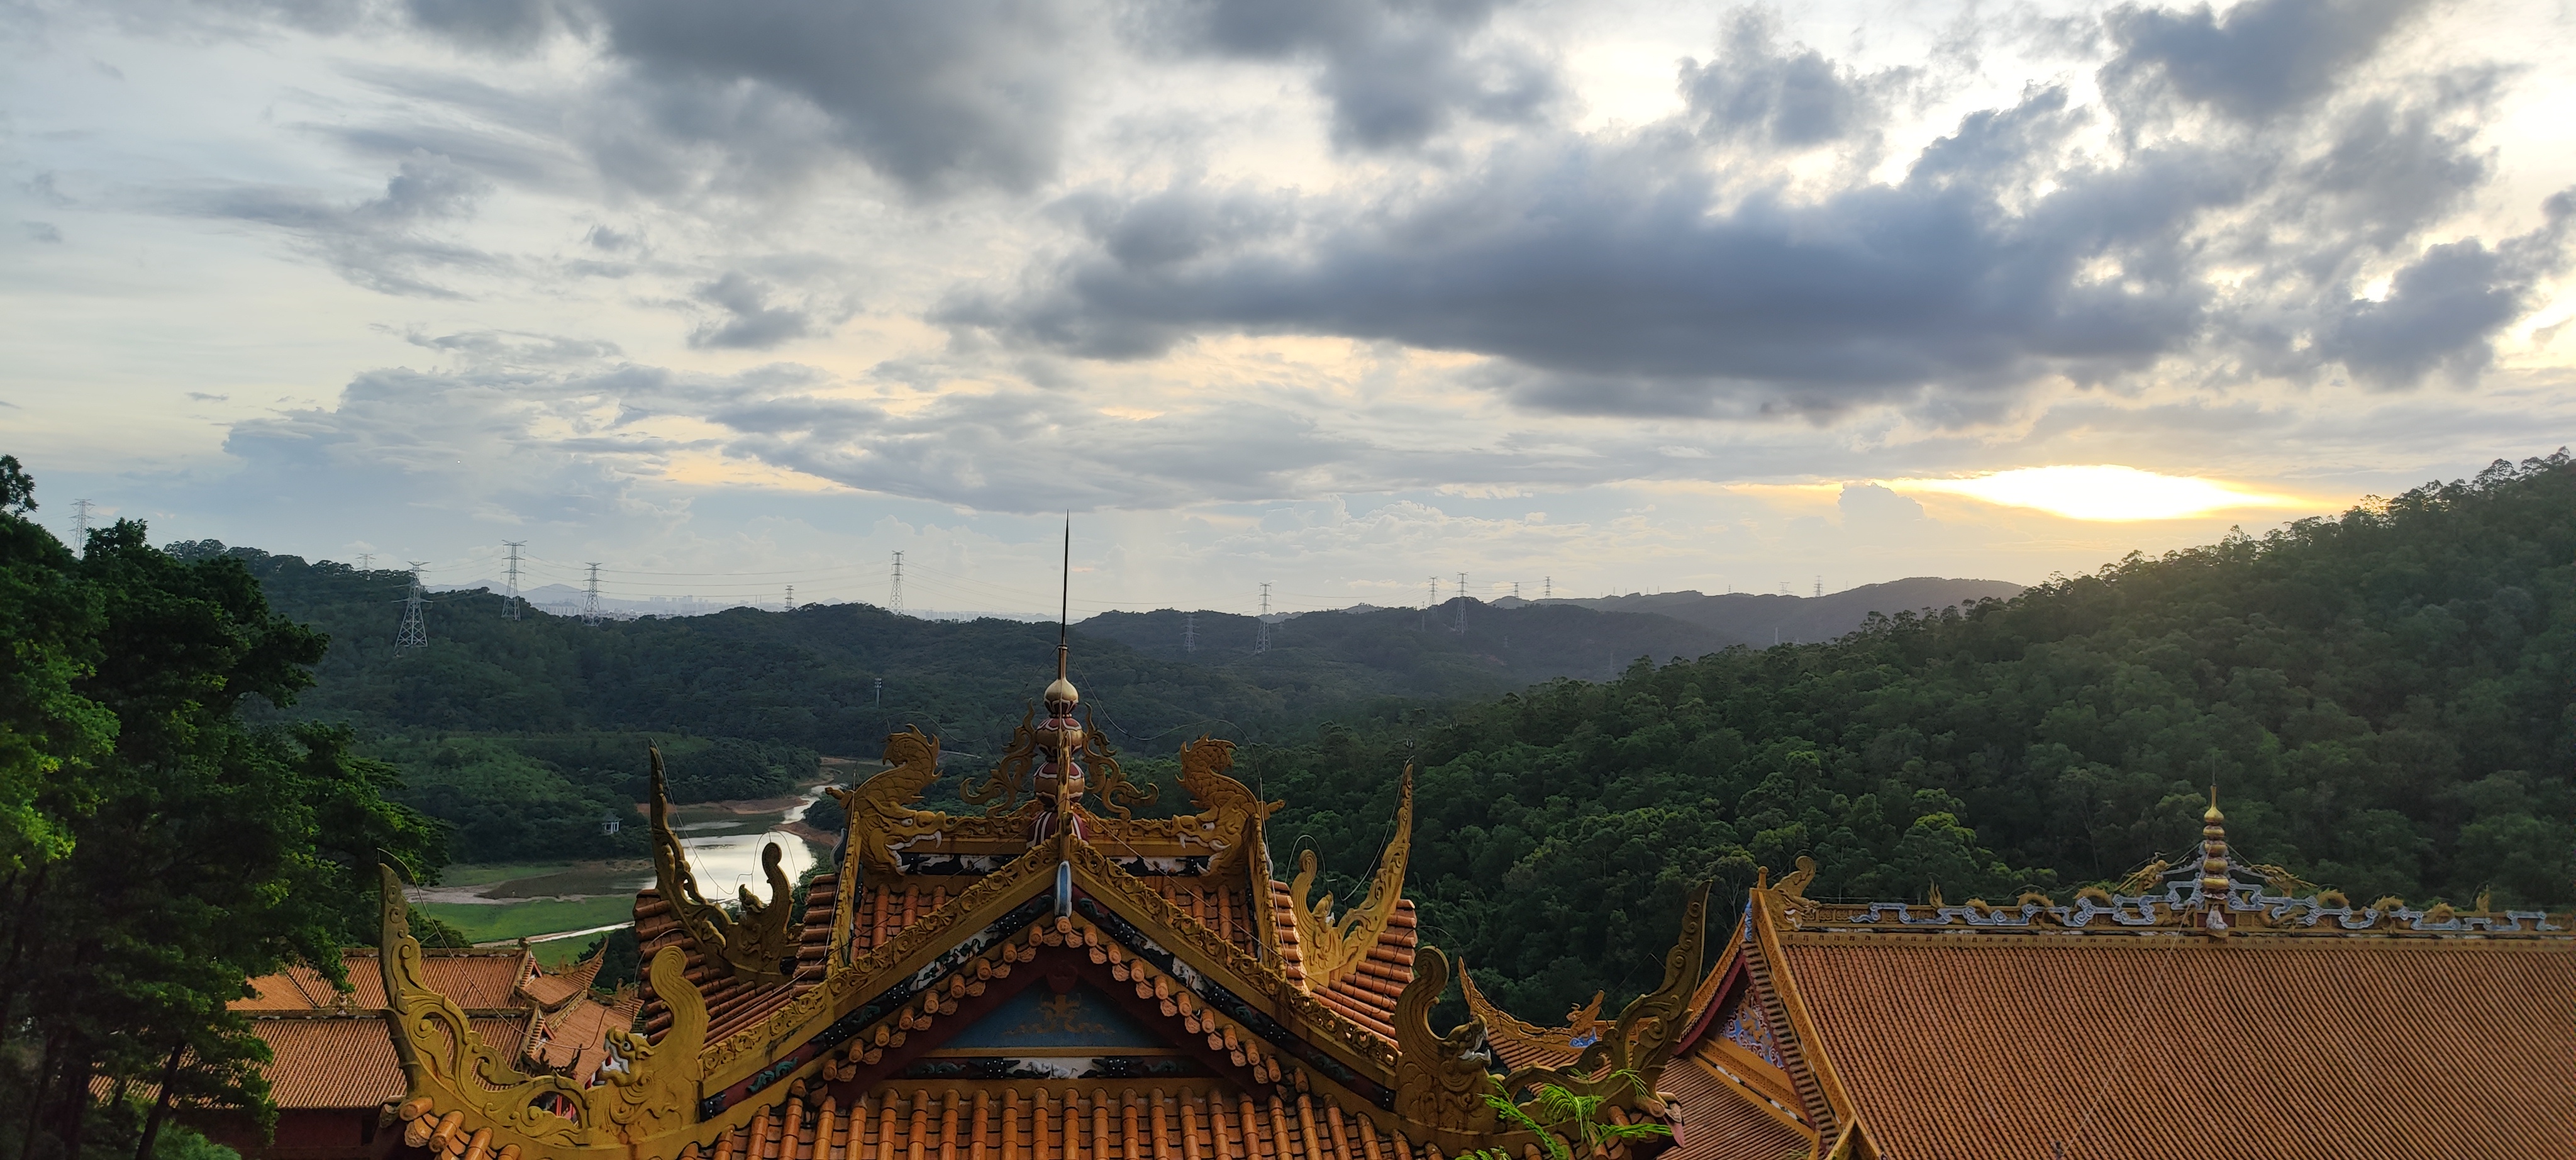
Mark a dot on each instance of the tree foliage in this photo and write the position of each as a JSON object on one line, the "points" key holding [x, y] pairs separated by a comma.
{"points": [[2383, 699], [155, 849]]}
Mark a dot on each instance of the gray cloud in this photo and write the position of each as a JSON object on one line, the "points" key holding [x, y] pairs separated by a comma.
{"points": [[384, 243], [934, 96], [1395, 73], [42, 231], [2267, 57], [515, 348], [1615, 269], [751, 322], [2443, 309], [1638, 273], [506, 25], [1754, 93]]}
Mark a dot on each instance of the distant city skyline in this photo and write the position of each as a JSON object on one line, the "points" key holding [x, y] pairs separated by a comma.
{"points": [[1636, 296]]}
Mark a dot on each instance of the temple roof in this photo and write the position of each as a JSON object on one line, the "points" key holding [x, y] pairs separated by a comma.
{"points": [[1987, 1046], [2216, 1008], [1149, 977], [328, 1048]]}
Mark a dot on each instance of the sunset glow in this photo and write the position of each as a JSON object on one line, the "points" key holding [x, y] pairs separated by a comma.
{"points": [[2106, 492]]}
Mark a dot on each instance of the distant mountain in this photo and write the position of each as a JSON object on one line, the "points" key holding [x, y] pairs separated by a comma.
{"points": [[1409, 652], [1762, 620]]}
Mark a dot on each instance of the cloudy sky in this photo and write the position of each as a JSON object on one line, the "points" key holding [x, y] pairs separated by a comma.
{"points": [[1335, 294]]}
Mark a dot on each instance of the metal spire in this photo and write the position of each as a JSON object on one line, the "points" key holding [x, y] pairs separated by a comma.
{"points": [[1064, 609]]}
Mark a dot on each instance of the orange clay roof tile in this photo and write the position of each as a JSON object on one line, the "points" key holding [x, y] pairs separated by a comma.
{"points": [[478, 980], [344, 1061], [2286, 1047], [1719, 1122], [1075, 1121]]}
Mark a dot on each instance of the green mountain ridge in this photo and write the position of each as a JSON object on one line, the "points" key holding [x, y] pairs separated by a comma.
{"points": [[2386, 701]]}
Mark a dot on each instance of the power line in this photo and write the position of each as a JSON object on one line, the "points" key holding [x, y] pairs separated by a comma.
{"points": [[1261, 643], [512, 598], [894, 600], [590, 599], [414, 633]]}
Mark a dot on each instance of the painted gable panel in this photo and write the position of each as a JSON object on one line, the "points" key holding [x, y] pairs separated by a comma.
{"points": [[1040, 1019]]}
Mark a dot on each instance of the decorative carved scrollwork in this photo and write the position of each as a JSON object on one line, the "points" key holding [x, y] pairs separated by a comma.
{"points": [[656, 1089], [1013, 774], [449, 1069], [1440, 1080], [1010, 776], [1231, 807], [1330, 951], [1624, 1064], [878, 809], [756, 946]]}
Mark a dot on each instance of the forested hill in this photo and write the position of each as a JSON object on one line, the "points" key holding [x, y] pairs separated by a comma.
{"points": [[1762, 620], [2386, 701], [1480, 650]]}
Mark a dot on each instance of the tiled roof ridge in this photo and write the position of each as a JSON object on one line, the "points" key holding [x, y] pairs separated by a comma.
{"points": [[1074, 1120], [2251, 909]]}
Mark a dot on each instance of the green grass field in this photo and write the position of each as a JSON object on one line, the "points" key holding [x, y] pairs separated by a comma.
{"points": [[529, 919], [486, 873]]}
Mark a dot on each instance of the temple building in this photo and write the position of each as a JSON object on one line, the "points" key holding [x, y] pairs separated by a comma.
{"points": [[1053, 978], [2216, 1009], [332, 1070], [1056, 978]]}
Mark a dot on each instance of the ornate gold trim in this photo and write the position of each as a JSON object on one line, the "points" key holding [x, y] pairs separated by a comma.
{"points": [[874, 969], [878, 811], [756, 946], [1012, 775], [1440, 1080], [1231, 805], [460, 1089], [1328, 951]]}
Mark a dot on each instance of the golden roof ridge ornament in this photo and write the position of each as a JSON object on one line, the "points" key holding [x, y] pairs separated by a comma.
{"points": [[463, 1098], [878, 813], [1330, 951], [754, 947]]}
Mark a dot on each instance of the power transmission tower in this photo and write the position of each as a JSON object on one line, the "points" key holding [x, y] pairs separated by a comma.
{"points": [[80, 523], [1430, 600], [1547, 588], [1261, 642], [1189, 632], [366, 561], [1516, 589], [590, 598], [414, 633], [513, 597], [1820, 586], [1462, 605], [791, 598], [894, 601]]}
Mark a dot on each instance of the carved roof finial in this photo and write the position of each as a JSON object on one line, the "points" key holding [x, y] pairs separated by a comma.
{"points": [[2213, 863]]}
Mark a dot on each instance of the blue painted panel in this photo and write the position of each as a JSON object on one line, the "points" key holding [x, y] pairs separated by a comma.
{"points": [[1038, 1017]]}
